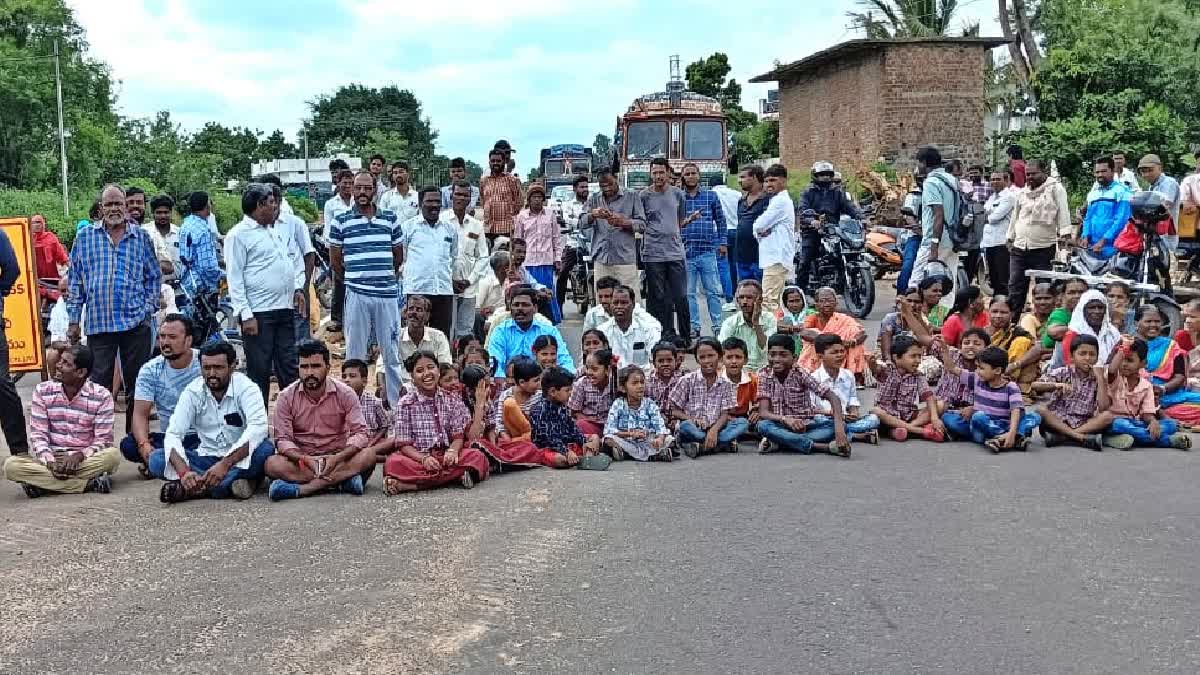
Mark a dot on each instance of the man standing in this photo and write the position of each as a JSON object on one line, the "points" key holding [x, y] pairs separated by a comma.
{"points": [[1040, 218], [165, 236], [752, 205], [135, 205], [612, 216], [70, 431], [199, 272], [726, 265], [1108, 210], [977, 190], [160, 385], [12, 413], [118, 314], [472, 263], [401, 199], [662, 253], [630, 337], [430, 249], [341, 202], [229, 420], [775, 230], [501, 195], [514, 336], [418, 336], [939, 207], [364, 249], [262, 289], [572, 211], [1151, 168], [998, 211], [1123, 174], [319, 430], [458, 171], [299, 246], [829, 202], [703, 245], [375, 166]]}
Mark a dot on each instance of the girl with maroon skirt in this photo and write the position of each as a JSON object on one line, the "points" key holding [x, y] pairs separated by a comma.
{"points": [[482, 433]]}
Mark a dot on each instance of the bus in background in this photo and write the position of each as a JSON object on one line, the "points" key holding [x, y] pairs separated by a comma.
{"points": [[682, 126], [561, 163]]}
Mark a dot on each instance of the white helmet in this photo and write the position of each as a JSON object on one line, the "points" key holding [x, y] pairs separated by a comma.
{"points": [[822, 167]]}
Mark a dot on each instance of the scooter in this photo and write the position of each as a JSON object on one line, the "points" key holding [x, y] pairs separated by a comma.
{"points": [[886, 246]]}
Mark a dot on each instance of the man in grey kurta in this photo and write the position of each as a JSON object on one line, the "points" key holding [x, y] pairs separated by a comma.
{"points": [[662, 253], [614, 215]]}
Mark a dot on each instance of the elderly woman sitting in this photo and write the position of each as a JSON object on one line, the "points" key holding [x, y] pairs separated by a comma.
{"points": [[828, 320]]}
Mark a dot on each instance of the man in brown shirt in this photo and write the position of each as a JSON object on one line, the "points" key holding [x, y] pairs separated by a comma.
{"points": [[320, 433], [500, 193]]}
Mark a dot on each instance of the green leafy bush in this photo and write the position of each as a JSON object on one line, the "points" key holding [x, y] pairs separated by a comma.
{"points": [[228, 210], [25, 203]]}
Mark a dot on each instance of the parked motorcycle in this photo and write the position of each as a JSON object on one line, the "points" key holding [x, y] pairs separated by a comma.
{"points": [[322, 272], [212, 316], [886, 246], [843, 264], [581, 280]]}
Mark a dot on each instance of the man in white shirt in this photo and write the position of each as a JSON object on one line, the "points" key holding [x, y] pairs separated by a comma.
{"points": [[602, 312], [430, 249], [629, 338], [165, 235], [998, 209], [335, 206], [458, 171], [775, 231], [300, 249], [1123, 174], [471, 265], [375, 167], [263, 289], [417, 336], [729, 199], [489, 294], [223, 408], [401, 198]]}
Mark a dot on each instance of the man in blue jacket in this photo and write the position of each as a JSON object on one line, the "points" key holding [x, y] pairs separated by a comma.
{"points": [[1107, 210], [825, 199]]}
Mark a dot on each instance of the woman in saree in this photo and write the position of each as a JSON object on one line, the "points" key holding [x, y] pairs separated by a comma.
{"points": [[932, 288], [1166, 363], [828, 320], [1016, 342]]}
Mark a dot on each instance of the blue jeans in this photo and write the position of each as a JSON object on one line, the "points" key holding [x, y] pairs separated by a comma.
{"points": [[984, 428], [727, 268], [818, 430], [688, 432], [202, 463], [749, 271], [957, 426], [702, 270], [1141, 433], [862, 425], [909, 259], [129, 449]]}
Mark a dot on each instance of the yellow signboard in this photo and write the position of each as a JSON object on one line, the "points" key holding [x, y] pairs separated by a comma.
{"points": [[22, 322]]}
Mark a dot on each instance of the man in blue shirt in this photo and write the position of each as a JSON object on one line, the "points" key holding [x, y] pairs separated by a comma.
{"points": [[200, 272], [703, 243], [514, 336], [115, 275], [159, 384], [1107, 210], [12, 415], [458, 171]]}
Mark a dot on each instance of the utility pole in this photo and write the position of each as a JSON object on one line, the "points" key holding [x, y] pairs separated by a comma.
{"points": [[62, 134], [306, 178]]}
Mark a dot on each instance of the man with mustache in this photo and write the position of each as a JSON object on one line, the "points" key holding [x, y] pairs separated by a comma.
{"points": [[320, 433], [225, 410]]}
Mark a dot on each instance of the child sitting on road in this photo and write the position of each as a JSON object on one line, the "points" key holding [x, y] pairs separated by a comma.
{"points": [[545, 350], [635, 427], [1075, 414], [999, 421], [1131, 401], [789, 420], [702, 402], [592, 340], [743, 378], [448, 378], [593, 393], [662, 377], [901, 387], [554, 430], [512, 409], [953, 398], [379, 422], [832, 352]]}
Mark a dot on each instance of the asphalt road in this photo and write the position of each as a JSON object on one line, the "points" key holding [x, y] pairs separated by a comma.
{"points": [[906, 558]]}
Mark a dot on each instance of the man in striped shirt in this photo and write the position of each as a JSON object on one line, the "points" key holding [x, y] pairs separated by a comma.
{"points": [[70, 433], [365, 250], [115, 275]]}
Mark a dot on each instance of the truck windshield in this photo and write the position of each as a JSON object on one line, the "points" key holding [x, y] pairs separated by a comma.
{"points": [[646, 140], [555, 167], [703, 140]]}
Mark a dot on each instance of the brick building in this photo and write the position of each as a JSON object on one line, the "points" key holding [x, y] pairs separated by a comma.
{"points": [[864, 99]]}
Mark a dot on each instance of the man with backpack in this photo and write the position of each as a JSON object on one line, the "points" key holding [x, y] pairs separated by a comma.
{"points": [[942, 209]]}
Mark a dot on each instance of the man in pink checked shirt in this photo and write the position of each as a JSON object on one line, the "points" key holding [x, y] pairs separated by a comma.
{"points": [[70, 433]]}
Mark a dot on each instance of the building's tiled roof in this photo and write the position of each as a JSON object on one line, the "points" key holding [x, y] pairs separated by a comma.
{"points": [[797, 68]]}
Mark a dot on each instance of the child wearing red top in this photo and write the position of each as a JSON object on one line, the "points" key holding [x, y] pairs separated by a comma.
{"points": [[745, 381]]}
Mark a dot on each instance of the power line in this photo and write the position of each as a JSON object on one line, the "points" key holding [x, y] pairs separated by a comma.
{"points": [[27, 58]]}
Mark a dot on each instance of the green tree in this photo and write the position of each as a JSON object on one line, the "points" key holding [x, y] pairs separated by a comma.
{"points": [[276, 146], [28, 107], [884, 19], [236, 147], [708, 77], [602, 151], [341, 121]]}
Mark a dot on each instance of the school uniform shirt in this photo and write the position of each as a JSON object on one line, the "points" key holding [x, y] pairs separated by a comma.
{"points": [[589, 401], [660, 390], [1077, 406], [646, 417], [700, 400], [951, 389], [1133, 401], [429, 422], [843, 385], [794, 396], [900, 392]]}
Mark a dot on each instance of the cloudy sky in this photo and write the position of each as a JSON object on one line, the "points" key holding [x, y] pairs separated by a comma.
{"points": [[537, 72]]}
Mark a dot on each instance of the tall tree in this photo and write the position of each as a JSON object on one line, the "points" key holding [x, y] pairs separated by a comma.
{"points": [[341, 121], [275, 146], [237, 147], [602, 151], [707, 77], [1023, 51], [905, 18]]}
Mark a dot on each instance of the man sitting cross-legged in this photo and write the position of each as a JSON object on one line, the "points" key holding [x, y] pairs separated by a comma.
{"points": [[70, 432], [225, 410], [320, 433], [159, 385]]}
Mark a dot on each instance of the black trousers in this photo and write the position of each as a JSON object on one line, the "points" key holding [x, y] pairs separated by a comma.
{"points": [[570, 257], [273, 349], [666, 298], [440, 309], [133, 346], [1019, 261], [810, 250], [12, 411], [997, 260], [971, 264]]}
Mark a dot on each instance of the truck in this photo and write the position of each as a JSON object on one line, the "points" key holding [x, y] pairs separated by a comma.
{"points": [[560, 164]]}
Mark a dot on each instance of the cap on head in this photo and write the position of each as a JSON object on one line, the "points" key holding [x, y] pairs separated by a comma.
{"points": [[1149, 160]]}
